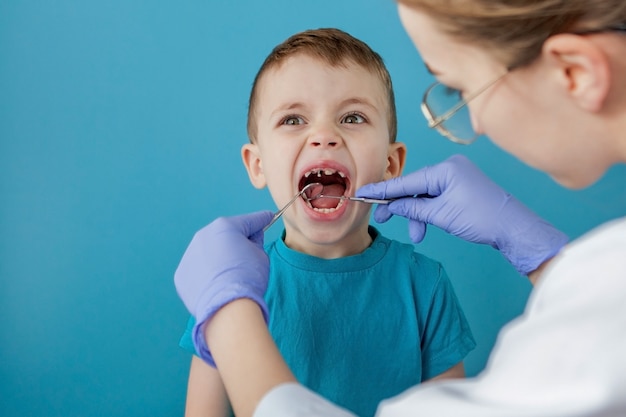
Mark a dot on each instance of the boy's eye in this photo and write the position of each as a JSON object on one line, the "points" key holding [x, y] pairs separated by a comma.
{"points": [[353, 118], [292, 120]]}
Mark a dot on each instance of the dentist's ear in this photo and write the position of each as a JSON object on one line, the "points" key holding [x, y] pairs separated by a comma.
{"points": [[254, 165], [396, 157], [581, 67]]}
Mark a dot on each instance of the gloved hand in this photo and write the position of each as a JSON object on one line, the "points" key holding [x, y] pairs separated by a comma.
{"points": [[465, 203], [225, 261]]}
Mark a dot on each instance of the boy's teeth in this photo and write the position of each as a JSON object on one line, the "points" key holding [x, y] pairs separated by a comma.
{"points": [[325, 171]]}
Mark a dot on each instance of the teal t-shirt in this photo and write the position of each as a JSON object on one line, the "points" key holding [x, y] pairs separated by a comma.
{"points": [[363, 328]]}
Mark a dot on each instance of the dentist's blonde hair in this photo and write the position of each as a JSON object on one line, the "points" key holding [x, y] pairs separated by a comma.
{"points": [[335, 48], [515, 30]]}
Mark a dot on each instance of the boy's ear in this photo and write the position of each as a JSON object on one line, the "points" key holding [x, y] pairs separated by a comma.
{"points": [[254, 165], [396, 157], [582, 68]]}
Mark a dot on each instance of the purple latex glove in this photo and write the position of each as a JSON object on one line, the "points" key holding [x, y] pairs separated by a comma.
{"points": [[225, 261], [466, 203]]}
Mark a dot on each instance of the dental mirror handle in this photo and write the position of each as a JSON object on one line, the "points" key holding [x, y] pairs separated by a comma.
{"points": [[286, 206]]}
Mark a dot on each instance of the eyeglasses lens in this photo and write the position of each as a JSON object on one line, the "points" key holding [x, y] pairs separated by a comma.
{"points": [[458, 127]]}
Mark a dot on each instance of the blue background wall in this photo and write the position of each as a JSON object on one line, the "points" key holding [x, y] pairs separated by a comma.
{"points": [[120, 129]]}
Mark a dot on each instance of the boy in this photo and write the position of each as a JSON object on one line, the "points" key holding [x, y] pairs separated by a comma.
{"points": [[339, 295]]}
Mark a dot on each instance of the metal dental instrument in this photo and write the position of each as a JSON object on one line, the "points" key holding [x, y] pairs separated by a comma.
{"points": [[345, 197], [361, 199], [293, 200]]}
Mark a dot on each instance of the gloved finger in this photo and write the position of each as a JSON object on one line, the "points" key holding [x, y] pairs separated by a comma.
{"points": [[373, 190], [414, 208], [423, 181], [382, 213], [252, 224], [407, 185], [417, 230]]}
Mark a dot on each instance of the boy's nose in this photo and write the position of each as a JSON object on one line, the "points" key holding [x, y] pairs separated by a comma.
{"points": [[325, 138]]}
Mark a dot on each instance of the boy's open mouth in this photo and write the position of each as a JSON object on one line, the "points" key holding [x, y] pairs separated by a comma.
{"points": [[333, 183]]}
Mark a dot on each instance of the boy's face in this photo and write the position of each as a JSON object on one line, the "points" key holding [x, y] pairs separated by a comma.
{"points": [[318, 123]]}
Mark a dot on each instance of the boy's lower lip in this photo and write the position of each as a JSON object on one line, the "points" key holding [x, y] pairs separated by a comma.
{"points": [[326, 216]]}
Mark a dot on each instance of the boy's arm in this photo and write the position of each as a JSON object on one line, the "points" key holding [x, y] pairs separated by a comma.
{"points": [[206, 395]]}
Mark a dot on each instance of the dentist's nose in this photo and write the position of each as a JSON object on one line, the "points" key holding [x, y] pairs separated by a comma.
{"points": [[475, 124]]}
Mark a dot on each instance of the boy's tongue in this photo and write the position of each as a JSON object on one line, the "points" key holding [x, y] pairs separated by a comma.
{"points": [[329, 189]]}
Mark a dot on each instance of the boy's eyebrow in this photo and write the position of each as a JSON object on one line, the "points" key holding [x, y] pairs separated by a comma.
{"points": [[359, 100], [287, 106], [298, 105]]}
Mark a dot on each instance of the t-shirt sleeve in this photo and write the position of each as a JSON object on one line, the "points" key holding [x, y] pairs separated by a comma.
{"points": [[447, 337], [186, 342]]}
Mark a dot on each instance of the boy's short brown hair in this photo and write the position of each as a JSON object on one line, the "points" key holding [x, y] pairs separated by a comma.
{"points": [[336, 48]]}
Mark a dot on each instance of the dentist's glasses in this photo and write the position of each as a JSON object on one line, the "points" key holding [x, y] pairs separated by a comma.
{"points": [[446, 110]]}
